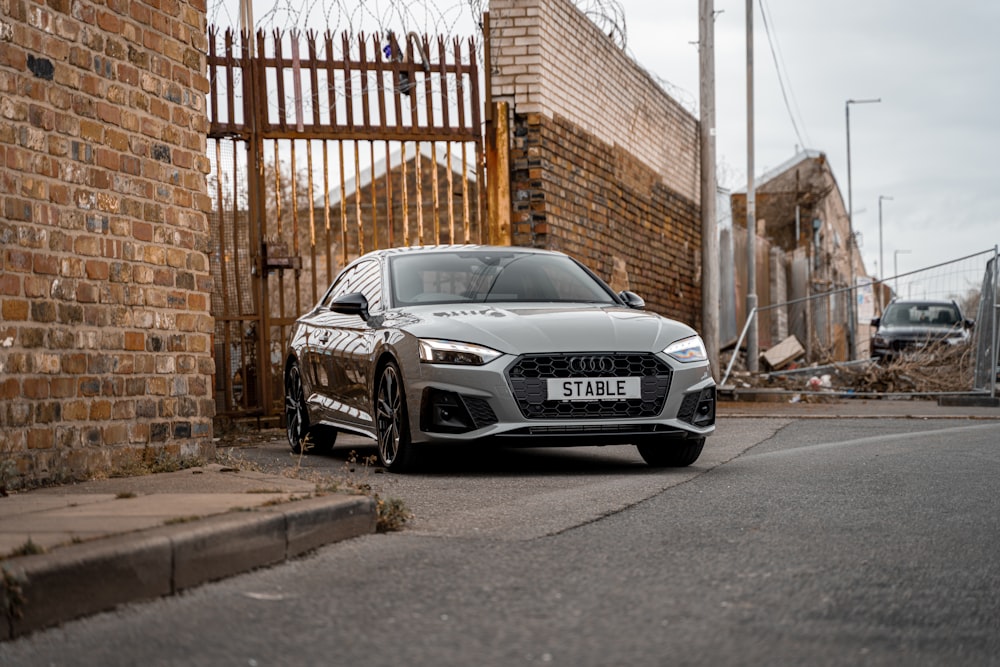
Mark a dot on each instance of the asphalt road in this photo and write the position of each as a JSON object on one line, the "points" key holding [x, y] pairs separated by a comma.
{"points": [[832, 542]]}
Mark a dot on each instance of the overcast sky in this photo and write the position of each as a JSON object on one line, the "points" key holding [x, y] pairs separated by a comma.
{"points": [[932, 144]]}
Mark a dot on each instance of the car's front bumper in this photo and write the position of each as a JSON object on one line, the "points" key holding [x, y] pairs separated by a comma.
{"points": [[464, 403]]}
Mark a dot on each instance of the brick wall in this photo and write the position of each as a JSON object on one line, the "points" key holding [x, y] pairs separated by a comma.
{"points": [[105, 332], [604, 163]]}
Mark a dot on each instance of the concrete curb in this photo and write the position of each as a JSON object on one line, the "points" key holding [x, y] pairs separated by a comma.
{"points": [[44, 590]]}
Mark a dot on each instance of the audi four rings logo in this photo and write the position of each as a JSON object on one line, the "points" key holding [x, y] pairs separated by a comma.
{"points": [[594, 364]]}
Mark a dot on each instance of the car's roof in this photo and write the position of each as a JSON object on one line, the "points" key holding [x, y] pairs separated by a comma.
{"points": [[922, 302], [429, 249]]}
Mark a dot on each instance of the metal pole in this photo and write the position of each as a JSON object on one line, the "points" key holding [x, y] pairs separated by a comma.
{"points": [[246, 23], [850, 241], [739, 341], [709, 223], [881, 258], [852, 315], [996, 323], [895, 267], [752, 343]]}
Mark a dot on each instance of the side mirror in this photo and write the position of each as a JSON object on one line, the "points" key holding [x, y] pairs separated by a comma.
{"points": [[632, 300], [876, 321], [354, 303]]}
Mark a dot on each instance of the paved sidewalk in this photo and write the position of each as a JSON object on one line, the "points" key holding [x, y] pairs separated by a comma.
{"points": [[109, 542]]}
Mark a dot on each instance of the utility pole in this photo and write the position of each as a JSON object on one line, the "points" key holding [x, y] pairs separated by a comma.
{"points": [[752, 344], [881, 258], [852, 316], [709, 221], [246, 23]]}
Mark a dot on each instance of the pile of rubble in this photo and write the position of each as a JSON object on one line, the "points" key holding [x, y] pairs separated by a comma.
{"points": [[940, 370]]}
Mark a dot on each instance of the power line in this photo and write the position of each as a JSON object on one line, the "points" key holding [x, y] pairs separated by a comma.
{"points": [[771, 40]]}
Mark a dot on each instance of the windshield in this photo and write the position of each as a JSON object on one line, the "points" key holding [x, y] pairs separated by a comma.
{"points": [[921, 315], [487, 277]]}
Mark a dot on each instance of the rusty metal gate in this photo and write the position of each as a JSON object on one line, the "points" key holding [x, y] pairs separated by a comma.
{"points": [[319, 155]]}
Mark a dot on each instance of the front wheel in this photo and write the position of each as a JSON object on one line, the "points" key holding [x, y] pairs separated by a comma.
{"points": [[395, 451], [672, 453]]}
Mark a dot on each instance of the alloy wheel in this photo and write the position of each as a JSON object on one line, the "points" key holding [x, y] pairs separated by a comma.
{"points": [[296, 417], [389, 415]]}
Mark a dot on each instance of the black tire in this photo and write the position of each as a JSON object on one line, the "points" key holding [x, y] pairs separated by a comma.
{"points": [[392, 426], [301, 435], [672, 453]]}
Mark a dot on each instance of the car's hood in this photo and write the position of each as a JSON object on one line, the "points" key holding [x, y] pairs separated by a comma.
{"points": [[519, 329]]}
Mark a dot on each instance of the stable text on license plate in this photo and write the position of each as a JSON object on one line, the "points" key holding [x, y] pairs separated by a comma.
{"points": [[593, 389]]}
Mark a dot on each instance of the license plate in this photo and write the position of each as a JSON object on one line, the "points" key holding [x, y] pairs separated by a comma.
{"points": [[593, 389]]}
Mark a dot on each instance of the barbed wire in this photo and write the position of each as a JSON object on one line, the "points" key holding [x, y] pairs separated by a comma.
{"points": [[609, 16], [457, 18]]}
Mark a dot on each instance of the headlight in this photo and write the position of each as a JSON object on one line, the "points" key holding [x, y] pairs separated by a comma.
{"points": [[957, 338], [880, 341], [449, 352], [688, 350]]}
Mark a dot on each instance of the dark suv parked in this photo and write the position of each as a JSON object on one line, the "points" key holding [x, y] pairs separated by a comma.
{"points": [[914, 325]]}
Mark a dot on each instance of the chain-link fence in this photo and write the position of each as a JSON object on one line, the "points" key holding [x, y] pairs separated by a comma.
{"points": [[988, 332], [807, 336]]}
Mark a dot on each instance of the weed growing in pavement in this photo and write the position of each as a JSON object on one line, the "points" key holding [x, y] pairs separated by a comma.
{"points": [[150, 461], [29, 548], [11, 595], [181, 519], [8, 474], [231, 461], [391, 514]]}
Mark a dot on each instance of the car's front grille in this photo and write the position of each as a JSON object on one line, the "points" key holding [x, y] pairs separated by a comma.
{"points": [[527, 377]]}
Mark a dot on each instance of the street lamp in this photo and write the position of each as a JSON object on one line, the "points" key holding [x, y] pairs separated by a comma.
{"points": [[851, 314], [895, 266], [881, 259]]}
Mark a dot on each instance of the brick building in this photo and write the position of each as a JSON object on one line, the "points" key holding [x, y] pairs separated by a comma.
{"points": [[105, 332], [801, 219]]}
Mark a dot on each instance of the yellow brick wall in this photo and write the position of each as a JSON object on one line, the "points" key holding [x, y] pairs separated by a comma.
{"points": [[549, 58]]}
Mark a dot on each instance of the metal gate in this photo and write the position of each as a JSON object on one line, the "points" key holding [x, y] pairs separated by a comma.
{"points": [[317, 156]]}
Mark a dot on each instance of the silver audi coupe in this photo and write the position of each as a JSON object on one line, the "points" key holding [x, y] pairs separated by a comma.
{"points": [[476, 344]]}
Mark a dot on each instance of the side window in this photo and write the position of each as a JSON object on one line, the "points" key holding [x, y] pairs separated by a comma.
{"points": [[342, 285], [368, 281], [366, 278]]}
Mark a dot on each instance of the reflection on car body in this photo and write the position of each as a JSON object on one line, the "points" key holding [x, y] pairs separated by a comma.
{"points": [[470, 344]]}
